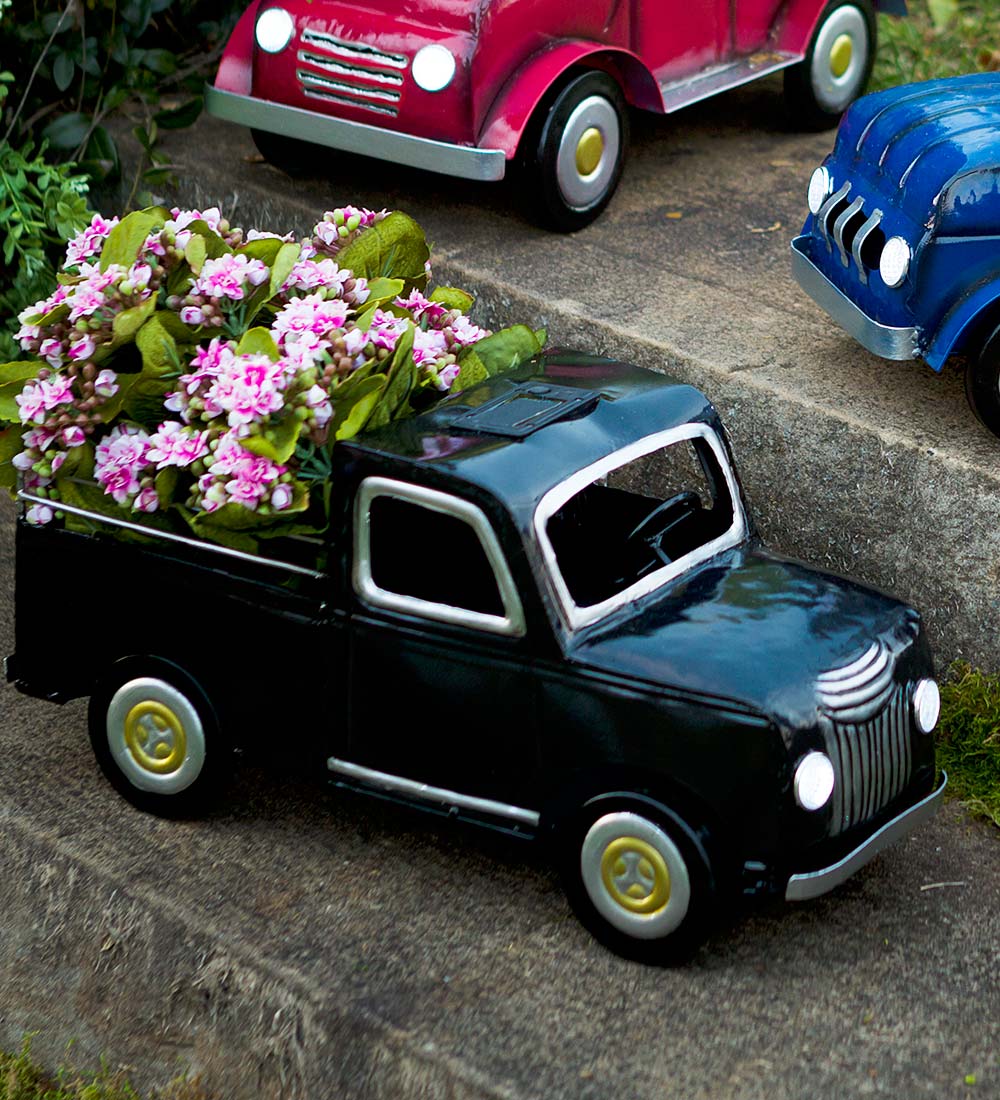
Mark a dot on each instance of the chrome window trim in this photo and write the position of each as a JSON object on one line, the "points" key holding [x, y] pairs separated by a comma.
{"points": [[511, 624], [576, 617], [427, 793]]}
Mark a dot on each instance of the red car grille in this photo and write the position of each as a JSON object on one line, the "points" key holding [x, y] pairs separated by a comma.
{"points": [[350, 73]]}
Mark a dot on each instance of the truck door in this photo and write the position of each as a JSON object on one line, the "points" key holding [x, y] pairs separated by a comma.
{"points": [[441, 691], [753, 22], [676, 38]]}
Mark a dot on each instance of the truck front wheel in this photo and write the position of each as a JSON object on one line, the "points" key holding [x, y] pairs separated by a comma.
{"points": [[982, 380], [155, 737], [573, 160], [639, 881]]}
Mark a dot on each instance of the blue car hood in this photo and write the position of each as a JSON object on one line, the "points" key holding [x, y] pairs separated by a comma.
{"points": [[751, 627], [914, 139]]}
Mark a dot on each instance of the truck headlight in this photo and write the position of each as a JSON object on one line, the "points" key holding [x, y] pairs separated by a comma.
{"points": [[926, 705], [895, 261], [814, 780], [820, 186], [433, 68], [274, 30]]}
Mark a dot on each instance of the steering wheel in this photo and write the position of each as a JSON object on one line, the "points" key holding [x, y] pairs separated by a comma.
{"points": [[686, 503]]}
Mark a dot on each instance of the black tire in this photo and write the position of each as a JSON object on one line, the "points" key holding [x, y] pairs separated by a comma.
{"points": [[639, 879], [293, 157], [837, 65], [157, 740], [584, 126], [982, 380]]}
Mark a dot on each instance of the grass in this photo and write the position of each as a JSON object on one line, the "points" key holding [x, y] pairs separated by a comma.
{"points": [[938, 38], [23, 1079], [969, 739]]}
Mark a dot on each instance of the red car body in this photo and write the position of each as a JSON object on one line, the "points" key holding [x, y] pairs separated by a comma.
{"points": [[350, 64]]}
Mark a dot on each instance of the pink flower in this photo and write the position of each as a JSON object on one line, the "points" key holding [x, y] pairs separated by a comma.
{"points": [[228, 277], [313, 313], [250, 475], [464, 332], [385, 329], [247, 388], [51, 350], [281, 497], [422, 307], [31, 402], [106, 383], [313, 274], [87, 296], [146, 500], [39, 514], [89, 241], [83, 349], [192, 315], [121, 459], [173, 444], [428, 345], [74, 436], [182, 218], [57, 390], [447, 376], [25, 460]]}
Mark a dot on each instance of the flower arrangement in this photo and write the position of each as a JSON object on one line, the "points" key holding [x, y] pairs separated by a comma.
{"points": [[186, 374]]}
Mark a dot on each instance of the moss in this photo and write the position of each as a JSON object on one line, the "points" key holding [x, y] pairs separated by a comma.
{"points": [[969, 739]]}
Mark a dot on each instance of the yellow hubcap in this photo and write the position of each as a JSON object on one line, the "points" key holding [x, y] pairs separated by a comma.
{"points": [[155, 737], [589, 150], [635, 875], [841, 55]]}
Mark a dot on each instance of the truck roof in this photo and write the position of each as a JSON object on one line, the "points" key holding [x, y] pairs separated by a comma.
{"points": [[576, 409], [917, 138]]}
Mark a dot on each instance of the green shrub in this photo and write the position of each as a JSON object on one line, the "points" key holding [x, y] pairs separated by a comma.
{"points": [[969, 738]]}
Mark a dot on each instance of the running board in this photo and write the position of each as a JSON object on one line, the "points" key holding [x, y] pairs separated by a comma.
{"points": [[720, 78]]}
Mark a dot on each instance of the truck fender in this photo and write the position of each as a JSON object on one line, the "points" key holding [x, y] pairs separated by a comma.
{"points": [[962, 322], [517, 100], [236, 67]]}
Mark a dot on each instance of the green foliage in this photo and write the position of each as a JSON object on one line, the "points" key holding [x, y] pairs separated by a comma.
{"points": [[969, 738], [21, 1078], [939, 38]]}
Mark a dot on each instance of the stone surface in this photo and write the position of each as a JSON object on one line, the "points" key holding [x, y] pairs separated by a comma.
{"points": [[303, 943]]}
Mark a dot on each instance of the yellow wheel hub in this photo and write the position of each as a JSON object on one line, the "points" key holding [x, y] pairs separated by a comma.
{"points": [[841, 55], [155, 737], [589, 150], [635, 875]]}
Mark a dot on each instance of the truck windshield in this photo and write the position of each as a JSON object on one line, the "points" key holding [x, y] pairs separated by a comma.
{"points": [[630, 522]]}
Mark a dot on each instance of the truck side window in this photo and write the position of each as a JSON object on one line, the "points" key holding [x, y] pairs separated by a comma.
{"points": [[430, 556], [970, 206], [424, 552]]}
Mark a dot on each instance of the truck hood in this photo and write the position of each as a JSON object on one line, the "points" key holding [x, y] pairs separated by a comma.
{"points": [[914, 139], [450, 16], [751, 627]]}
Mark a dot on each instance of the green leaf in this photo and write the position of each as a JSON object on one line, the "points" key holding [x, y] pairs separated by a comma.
{"points": [[354, 407], [266, 249], [281, 267], [13, 376], [452, 298], [393, 248], [161, 62], [144, 400], [259, 341], [504, 350], [11, 444], [113, 406], [79, 462], [125, 241], [402, 375], [157, 346], [472, 371], [127, 323], [196, 253], [942, 12], [382, 290], [181, 117], [278, 442], [89, 495], [62, 71], [166, 485], [67, 131]]}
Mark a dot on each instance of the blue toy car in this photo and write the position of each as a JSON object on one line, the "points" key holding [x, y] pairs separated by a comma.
{"points": [[902, 243]]}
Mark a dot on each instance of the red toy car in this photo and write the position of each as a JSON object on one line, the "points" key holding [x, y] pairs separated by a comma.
{"points": [[466, 86]]}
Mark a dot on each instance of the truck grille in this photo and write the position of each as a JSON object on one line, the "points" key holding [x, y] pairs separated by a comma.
{"points": [[350, 73], [857, 236], [867, 726]]}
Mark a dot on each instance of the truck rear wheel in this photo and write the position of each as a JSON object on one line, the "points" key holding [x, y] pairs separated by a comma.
{"points": [[574, 155], [837, 65], [156, 739], [639, 881], [982, 380]]}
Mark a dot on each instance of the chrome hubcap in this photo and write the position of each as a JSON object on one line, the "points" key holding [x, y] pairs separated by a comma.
{"points": [[840, 58], [588, 153]]}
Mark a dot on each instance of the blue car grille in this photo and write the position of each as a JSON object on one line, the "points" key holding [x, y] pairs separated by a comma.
{"points": [[350, 73], [854, 231], [867, 725]]}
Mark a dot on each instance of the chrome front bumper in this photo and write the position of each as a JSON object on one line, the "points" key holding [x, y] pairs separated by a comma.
{"points": [[812, 884], [356, 137], [883, 340]]}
